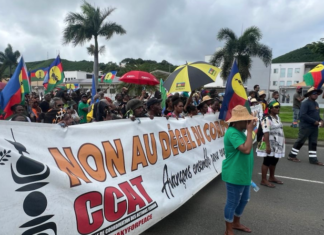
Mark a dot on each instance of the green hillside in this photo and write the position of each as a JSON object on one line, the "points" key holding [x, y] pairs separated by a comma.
{"points": [[300, 55], [129, 64], [67, 65]]}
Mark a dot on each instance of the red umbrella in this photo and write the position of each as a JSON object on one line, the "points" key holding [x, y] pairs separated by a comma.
{"points": [[2, 85], [140, 78]]}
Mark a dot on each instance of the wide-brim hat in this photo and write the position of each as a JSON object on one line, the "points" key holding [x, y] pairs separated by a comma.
{"points": [[240, 113], [262, 93], [253, 100], [206, 98], [311, 90]]}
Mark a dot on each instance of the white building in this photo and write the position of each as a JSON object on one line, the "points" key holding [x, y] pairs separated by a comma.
{"points": [[285, 75]]}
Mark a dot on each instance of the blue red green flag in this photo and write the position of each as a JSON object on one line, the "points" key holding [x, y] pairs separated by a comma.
{"points": [[37, 74], [315, 77], [14, 91], [54, 75], [108, 77], [235, 94]]}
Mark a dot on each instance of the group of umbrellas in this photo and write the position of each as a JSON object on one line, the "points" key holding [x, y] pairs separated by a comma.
{"points": [[186, 77]]}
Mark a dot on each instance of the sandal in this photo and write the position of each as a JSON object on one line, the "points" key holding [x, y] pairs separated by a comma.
{"points": [[276, 182], [268, 185], [317, 163], [293, 159]]}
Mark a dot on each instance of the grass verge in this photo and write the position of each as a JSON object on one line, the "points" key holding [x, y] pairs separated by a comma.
{"points": [[292, 133]]}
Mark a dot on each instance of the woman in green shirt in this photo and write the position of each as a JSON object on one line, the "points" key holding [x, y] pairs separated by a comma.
{"points": [[237, 167]]}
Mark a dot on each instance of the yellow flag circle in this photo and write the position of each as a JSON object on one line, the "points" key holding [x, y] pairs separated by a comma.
{"points": [[54, 75], [238, 86], [40, 74]]}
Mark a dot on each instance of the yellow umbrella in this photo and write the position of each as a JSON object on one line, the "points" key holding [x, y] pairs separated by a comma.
{"points": [[191, 76]]}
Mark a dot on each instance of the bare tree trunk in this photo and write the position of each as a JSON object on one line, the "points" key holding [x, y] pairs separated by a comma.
{"points": [[96, 63]]}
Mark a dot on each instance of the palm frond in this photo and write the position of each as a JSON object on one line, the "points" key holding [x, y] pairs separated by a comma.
{"points": [[111, 28], [263, 52], [226, 34], [73, 18], [252, 32], [244, 64], [76, 34], [217, 57], [226, 67], [16, 54], [105, 13], [91, 50]]}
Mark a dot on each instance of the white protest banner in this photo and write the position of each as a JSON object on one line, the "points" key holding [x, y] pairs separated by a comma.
{"points": [[257, 112], [115, 177]]}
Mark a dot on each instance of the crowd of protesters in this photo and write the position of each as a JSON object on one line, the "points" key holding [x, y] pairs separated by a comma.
{"points": [[70, 108], [66, 107]]}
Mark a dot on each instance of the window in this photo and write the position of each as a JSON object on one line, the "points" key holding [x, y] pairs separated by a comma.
{"points": [[275, 83], [282, 83], [297, 70], [289, 73], [295, 82], [275, 70], [282, 73], [89, 76], [289, 83]]}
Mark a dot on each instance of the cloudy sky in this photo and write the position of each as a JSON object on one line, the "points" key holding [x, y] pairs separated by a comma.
{"points": [[174, 30]]}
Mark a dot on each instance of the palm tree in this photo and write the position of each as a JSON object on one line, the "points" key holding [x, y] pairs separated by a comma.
{"points": [[91, 50], [90, 23], [8, 58], [243, 48]]}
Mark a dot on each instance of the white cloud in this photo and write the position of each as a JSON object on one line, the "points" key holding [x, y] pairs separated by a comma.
{"points": [[177, 31]]}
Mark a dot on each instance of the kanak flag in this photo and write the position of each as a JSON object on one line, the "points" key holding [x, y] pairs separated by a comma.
{"points": [[108, 77], [235, 94], [14, 91], [315, 77], [54, 75], [38, 74]]}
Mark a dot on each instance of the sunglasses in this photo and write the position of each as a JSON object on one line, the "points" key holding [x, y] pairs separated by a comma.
{"points": [[276, 107], [59, 105]]}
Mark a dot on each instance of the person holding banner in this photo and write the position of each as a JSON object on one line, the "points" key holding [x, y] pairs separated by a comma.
{"points": [[272, 147], [238, 166], [177, 108]]}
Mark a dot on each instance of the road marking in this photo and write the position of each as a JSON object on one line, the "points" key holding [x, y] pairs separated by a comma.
{"points": [[291, 178]]}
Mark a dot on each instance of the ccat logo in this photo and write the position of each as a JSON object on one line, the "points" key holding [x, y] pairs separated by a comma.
{"points": [[115, 203]]}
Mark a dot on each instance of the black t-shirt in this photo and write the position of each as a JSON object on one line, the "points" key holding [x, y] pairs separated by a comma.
{"points": [[44, 106]]}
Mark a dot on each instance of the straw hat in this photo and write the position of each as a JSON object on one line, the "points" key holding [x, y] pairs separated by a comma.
{"points": [[253, 100], [262, 93], [310, 90], [240, 113], [206, 98]]}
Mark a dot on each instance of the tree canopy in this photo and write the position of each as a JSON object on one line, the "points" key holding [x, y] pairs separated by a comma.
{"points": [[82, 27], [242, 48], [8, 60]]}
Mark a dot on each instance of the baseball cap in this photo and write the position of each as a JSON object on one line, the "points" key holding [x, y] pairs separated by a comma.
{"points": [[152, 101]]}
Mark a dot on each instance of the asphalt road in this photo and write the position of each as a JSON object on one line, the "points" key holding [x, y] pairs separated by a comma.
{"points": [[295, 208]]}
